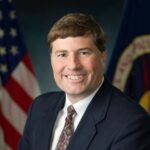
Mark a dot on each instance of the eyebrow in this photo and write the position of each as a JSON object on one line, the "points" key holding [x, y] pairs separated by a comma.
{"points": [[86, 48], [59, 51], [80, 49]]}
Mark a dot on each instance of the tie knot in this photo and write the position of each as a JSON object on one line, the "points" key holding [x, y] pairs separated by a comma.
{"points": [[71, 111]]}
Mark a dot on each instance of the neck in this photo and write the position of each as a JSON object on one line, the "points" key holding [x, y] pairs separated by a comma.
{"points": [[74, 98]]}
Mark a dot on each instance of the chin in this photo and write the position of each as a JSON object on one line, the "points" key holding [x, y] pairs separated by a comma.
{"points": [[73, 92], [76, 92]]}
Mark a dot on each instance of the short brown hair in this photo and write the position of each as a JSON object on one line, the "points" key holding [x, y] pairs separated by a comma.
{"points": [[77, 24]]}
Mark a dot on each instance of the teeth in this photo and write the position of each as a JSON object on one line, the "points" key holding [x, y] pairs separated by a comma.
{"points": [[73, 77]]}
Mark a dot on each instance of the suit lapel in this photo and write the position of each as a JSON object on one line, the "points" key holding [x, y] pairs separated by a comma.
{"points": [[46, 124], [83, 135], [95, 114]]}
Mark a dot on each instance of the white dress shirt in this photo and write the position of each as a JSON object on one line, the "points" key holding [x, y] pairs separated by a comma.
{"points": [[80, 108]]}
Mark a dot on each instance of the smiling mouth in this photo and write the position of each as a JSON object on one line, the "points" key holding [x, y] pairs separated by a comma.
{"points": [[75, 77]]}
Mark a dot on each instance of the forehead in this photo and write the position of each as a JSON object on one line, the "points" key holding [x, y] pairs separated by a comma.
{"points": [[73, 43]]}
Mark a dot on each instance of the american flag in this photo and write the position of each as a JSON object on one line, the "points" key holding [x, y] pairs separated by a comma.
{"points": [[18, 84]]}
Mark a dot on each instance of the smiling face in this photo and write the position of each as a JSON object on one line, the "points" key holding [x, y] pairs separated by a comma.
{"points": [[77, 66]]}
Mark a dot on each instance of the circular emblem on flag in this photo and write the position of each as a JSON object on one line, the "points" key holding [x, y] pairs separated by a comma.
{"points": [[140, 46]]}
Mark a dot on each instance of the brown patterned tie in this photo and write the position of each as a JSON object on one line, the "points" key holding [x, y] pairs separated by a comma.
{"points": [[67, 130]]}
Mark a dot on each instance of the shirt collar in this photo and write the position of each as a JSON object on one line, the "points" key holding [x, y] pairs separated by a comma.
{"points": [[81, 106]]}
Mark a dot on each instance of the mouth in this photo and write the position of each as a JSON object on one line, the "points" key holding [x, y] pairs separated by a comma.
{"points": [[74, 77], [77, 78]]}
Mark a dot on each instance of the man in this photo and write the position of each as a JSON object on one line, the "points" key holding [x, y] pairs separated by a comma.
{"points": [[103, 117]]}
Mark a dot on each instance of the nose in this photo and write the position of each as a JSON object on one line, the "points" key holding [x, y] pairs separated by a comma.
{"points": [[74, 62]]}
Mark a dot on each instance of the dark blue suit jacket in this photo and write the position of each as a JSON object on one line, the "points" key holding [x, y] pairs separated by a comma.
{"points": [[111, 122]]}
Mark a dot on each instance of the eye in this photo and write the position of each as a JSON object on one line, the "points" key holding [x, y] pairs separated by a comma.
{"points": [[85, 52], [61, 54]]}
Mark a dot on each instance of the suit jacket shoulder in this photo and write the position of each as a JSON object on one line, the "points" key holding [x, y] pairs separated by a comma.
{"points": [[112, 121], [41, 118], [50, 99]]}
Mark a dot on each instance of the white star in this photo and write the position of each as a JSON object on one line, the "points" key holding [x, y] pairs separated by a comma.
{"points": [[12, 14], [3, 68], [2, 51], [1, 16], [1, 33], [14, 50], [13, 32]]}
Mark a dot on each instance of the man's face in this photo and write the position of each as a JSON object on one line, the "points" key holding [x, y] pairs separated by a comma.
{"points": [[77, 65]]}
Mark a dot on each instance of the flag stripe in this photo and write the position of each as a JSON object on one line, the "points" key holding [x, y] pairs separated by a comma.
{"points": [[27, 61], [23, 74], [3, 145], [18, 94], [7, 147], [13, 113], [13, 138]]}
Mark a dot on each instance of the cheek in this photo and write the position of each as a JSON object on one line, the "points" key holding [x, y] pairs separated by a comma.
{"points": [[56, 66], [56, 73], [92, 65]]}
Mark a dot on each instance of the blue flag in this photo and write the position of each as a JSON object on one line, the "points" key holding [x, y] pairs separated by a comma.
{"points": [[129, 67]]}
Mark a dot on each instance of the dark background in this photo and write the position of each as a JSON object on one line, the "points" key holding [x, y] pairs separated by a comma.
{"points": [[36, 18]]}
